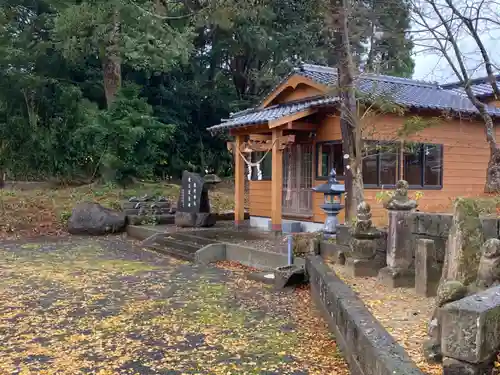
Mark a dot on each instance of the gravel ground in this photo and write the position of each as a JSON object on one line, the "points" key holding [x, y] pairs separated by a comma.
{"points": [[104, 306], [402, 312]]}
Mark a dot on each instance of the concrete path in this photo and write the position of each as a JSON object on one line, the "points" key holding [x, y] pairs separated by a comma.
{"points": [[103, 306]]}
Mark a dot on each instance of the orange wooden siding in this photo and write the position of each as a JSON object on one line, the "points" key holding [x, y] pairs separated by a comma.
{"points": [[465, 157], [260, 198], [494, 103]]}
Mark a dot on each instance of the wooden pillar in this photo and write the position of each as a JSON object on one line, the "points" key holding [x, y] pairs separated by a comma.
{"points": [[277, 182], [239, 183]]}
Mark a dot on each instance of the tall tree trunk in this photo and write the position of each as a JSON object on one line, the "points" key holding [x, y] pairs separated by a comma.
{"points": [[351, 129], [111, 62]]}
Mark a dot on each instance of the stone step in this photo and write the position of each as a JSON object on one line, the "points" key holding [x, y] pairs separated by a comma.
{"points": [[201, 241], [175, 253], [178, 244]]}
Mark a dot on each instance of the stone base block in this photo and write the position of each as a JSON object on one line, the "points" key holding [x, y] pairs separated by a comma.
{"points": [[291, 227], [197, 220], [205, 220], [362, 267], [453, 366], [397, 278]]}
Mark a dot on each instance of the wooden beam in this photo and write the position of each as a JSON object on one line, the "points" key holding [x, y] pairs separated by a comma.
{"points": [[247, 130], [290, 118], [261, 137], [239, 183], [282, 142], [253, 145], [301, 126], [276, 182]]}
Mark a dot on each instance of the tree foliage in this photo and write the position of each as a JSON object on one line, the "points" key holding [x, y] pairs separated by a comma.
{"points": [[126, 88]]}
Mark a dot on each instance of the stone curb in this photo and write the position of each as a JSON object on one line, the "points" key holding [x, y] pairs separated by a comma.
{"points": [[262, 260], [367, 347]]}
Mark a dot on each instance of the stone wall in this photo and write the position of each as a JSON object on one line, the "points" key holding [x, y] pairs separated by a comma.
{"points": [[366, 345], [434, 227]]}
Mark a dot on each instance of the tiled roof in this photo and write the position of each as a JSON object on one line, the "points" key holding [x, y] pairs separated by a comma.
{"points": [[403, 91], [480, 86], [256, 116]]}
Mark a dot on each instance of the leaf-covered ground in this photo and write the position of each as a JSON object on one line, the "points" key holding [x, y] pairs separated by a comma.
{"points": [[88, 306], [32, 213]]}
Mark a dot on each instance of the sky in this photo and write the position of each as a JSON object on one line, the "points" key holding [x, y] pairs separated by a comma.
{"points": [[430, 67]]}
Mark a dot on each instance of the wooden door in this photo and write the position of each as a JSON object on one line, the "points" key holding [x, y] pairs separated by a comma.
{"points": [[297, 180]]}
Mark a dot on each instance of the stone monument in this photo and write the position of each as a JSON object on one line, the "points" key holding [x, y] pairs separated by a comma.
{"points": [[400, 272], [456, 284], [364, 260], [470, 336], [193, 206], [427, 270]]}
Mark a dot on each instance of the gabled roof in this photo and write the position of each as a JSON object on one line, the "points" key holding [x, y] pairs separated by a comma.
{"points": [[257, 116], [403, 91], [406, 92], [480, 86]]}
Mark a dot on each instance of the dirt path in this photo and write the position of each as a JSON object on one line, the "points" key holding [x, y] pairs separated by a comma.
{"points": [[86, 306]]}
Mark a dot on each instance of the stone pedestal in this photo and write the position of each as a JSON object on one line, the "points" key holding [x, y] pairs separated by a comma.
{"points": [[363, 261], [399, 272], [397, 277]]}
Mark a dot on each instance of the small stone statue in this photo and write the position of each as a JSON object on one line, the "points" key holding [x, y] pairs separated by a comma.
{"points": [[488, 274], [364, 227], [363, 245], [400, 201]]}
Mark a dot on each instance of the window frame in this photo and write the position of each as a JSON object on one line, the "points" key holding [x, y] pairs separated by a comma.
{"points": [[254, 176], [317, 160], [422, 172], [398, 170], [401, 170]]}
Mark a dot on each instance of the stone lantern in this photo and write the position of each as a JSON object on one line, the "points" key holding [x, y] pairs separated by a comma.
{"points": [[333, 202]]}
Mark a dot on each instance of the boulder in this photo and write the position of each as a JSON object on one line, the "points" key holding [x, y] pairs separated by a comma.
{"points": [[94, 219]]}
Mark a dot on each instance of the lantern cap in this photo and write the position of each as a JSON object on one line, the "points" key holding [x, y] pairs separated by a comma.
{"points": [[332, 186]]}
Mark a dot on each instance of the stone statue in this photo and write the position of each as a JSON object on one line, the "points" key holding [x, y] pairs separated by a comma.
{"points": [[400, 201], [364, 227], [488, 274]]}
